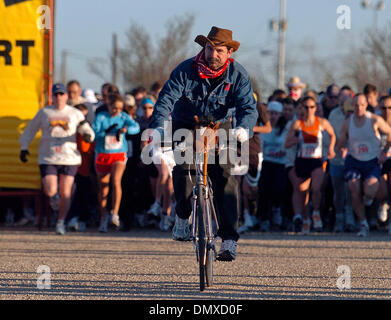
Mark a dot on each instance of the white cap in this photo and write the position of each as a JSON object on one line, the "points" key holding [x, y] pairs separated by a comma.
{"points": [[274, 106], [130, 100], [89, 95]]}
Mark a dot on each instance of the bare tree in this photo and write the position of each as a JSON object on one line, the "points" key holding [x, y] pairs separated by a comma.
{"points": [[97, 70], [371, 62], [143, 60]]}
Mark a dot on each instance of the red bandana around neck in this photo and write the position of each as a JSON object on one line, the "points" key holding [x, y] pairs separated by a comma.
{"points": [[204, 71]]}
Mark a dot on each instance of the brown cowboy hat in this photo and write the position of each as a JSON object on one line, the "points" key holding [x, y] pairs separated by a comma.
{"points": [[218, 37], [295, 82]]}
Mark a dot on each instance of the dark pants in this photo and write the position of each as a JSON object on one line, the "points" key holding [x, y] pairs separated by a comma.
{"points": [[83, 199], [225, 189], [136, 191], [271, 188], [287, 206]]}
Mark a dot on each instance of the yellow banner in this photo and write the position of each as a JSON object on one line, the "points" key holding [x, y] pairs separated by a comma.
{"points": [[23, 62]]}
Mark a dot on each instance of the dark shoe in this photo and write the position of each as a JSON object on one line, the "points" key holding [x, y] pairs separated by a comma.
{"points": [[227, 251]]}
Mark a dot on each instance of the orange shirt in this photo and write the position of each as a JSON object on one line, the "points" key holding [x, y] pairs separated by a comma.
{"points": [[310, 140], [86, 150]]}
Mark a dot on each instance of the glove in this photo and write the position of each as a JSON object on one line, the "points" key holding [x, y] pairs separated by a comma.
{"points": [[118, 135], [113, 126], [240, 134], [23, 154], [87, 137]]}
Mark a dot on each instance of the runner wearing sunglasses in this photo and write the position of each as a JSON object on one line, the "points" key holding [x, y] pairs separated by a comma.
{"points": [[58, 157], [307, 133]]}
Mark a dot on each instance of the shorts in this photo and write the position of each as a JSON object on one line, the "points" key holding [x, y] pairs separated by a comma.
{"points": [[55, 169], [105, 161], [355, 169], [386, 167], [304, 167], [166, 155]]}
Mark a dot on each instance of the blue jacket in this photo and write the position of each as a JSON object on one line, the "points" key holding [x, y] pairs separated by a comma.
{"points": [[102, 122], [185, 94]]}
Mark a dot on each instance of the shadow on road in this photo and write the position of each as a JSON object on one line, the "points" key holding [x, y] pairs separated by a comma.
{"points": [[102, 289]]}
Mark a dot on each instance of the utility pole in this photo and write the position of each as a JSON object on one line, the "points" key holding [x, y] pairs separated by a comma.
{"points": [[281, 45], [63, 77], [280, 25], [114, 59]]}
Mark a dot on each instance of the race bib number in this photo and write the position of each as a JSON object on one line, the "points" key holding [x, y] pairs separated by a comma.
{"points": [[309, 150], [56, 147], [111, 143], [362, 149]]}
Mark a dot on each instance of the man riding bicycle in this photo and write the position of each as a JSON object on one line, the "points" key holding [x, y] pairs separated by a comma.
{"points": [[215, 86]]}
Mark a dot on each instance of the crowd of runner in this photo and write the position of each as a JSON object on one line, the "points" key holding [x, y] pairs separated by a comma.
{"points": [[318, 162]]}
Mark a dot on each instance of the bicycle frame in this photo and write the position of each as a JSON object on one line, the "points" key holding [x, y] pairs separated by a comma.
{"points": [[203, 188]]}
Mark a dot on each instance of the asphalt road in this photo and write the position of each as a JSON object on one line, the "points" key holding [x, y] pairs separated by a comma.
{"points": [[147, 264]]}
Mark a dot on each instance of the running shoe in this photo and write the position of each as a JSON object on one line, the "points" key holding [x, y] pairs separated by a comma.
{"points": [[350, 223], [297, 223], [181, 230], [60, 228], [104, 224], [248, 219], [364, 230], [248, 223], [265, 226], [164, 223], [9, 218], [242, 229], [255, 221], [306, 227], [73, 224], [338, 226], [382, 212], [115, 220], [227, 251], [317, 222], [28, 217], [81, 226], [155, 209], [276, 217]]}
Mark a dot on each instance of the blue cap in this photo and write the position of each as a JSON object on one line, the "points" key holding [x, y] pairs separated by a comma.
{"points": [[147, 100], [58, 87]]}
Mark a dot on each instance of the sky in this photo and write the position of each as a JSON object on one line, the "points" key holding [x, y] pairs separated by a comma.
{"points": [[84, 28]]}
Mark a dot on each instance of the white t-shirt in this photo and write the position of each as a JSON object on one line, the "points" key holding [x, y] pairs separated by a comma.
{"points": [[57, 146]]}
